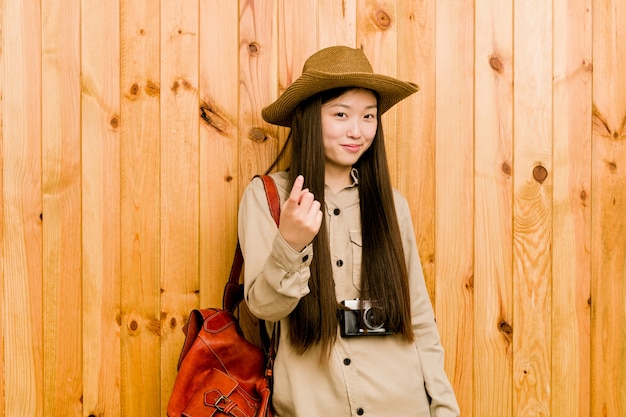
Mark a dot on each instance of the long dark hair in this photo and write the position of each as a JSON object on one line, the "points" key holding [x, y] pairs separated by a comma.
{"points": [[384, 272]]}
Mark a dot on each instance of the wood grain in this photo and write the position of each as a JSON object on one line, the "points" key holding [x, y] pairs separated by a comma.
{"points": [[299, 26], [337, 23], [415, 156], [140, 235], [532, 207], [258, 86], [608, 230], [101, 276], [493, 146], [219, 144], [61, 190], [454, 113], [22, 237], [571, 262], [179, 180]]}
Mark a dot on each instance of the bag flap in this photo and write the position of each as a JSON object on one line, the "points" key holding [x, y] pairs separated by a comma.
{"points": [[191, 330], [222, 386]]}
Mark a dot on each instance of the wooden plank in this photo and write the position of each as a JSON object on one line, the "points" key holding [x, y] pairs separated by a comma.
{"points": [[336, 22], [571, 263], [297, 34], [22, 207], [416, 126], [258, 63], [179, 180], [100, 132], [493, 143], [219, 164], [61, 189], [297, 40], [140, 207], [608, 240], [532, 222], [2, 372], [259, 86], [454, 286], [377, 36]]}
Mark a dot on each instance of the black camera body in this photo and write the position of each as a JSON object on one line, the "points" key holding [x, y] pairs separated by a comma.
{"points": [[362, 318]]}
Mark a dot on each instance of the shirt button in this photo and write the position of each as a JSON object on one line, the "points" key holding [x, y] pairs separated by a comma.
{"points": [[339, 263], [305, 258], [336, 212], [360, 411], [347, 361]]}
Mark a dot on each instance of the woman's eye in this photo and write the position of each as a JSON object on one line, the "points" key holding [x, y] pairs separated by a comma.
{"points": [[340, 114]]}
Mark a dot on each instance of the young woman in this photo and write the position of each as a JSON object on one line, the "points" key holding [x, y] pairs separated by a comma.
{"points": [[341, 274]]}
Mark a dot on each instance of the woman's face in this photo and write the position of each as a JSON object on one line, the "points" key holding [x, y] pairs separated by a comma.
{"points": [[349, 124]]}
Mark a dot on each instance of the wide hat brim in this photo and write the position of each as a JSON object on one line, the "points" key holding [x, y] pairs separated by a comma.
{"points": [[312, 81]]}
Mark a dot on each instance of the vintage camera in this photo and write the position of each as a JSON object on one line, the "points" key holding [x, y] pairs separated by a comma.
{"points": [[362, 318]]}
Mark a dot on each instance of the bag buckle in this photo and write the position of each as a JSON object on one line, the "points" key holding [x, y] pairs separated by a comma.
{"points": [[223, 404]]}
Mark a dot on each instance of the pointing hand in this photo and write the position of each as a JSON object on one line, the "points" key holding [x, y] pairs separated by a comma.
{"points": [[300, 216]]}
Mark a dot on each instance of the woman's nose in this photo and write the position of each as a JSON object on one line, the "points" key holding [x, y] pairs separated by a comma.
{"points": [[354, 131]]}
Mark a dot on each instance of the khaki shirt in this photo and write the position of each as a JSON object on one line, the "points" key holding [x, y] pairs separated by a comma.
{"points": [[377, 376]]}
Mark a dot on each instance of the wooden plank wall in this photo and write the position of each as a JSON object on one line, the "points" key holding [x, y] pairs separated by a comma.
{"points": [[131, 127]]}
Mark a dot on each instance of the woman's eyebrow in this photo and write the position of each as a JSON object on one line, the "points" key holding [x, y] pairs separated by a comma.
{"points": [[347, 106]]}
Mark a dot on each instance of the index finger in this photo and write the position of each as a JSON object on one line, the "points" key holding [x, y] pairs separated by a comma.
{"points": [[294, 195]]}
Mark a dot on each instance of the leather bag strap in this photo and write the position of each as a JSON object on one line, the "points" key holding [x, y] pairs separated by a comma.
{"points": [[233, 291]]}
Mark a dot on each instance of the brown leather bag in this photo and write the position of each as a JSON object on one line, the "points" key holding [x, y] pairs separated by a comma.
{"points": [[220, 373]]}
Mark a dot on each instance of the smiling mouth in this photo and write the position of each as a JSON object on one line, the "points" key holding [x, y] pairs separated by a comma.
{"points": [[352, 148]]}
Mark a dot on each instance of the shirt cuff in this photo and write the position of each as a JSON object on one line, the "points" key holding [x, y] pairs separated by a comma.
{"points": [[287, 258]]}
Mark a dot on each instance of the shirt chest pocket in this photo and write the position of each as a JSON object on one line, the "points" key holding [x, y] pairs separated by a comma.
{"points": [[356, 245]]}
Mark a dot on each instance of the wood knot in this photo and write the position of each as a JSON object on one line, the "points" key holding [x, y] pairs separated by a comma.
{"points": [[133, 92], [154, 327], [133, 326], [173, 322], [152, 89], [506, 168], [505, 327], [115, 122], [496, 64], [583, 195], [382, 19], [612, 166], [177, 84], [540, 174], [212, 117], [228, 178], [253, 48], [469, 285], [257, 134], [187, 85]]}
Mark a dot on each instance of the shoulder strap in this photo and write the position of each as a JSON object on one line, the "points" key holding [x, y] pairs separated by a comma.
{"points": [[233, 291]]}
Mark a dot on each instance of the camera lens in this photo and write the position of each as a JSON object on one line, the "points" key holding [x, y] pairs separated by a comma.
{"points": [[374, 318]]}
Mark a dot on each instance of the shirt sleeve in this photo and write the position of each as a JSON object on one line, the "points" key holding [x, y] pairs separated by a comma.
{"points": [[275, 276], [427, 340]]}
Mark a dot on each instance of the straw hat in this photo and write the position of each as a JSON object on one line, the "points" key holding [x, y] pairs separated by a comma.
{"points": [[334, 67]]}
